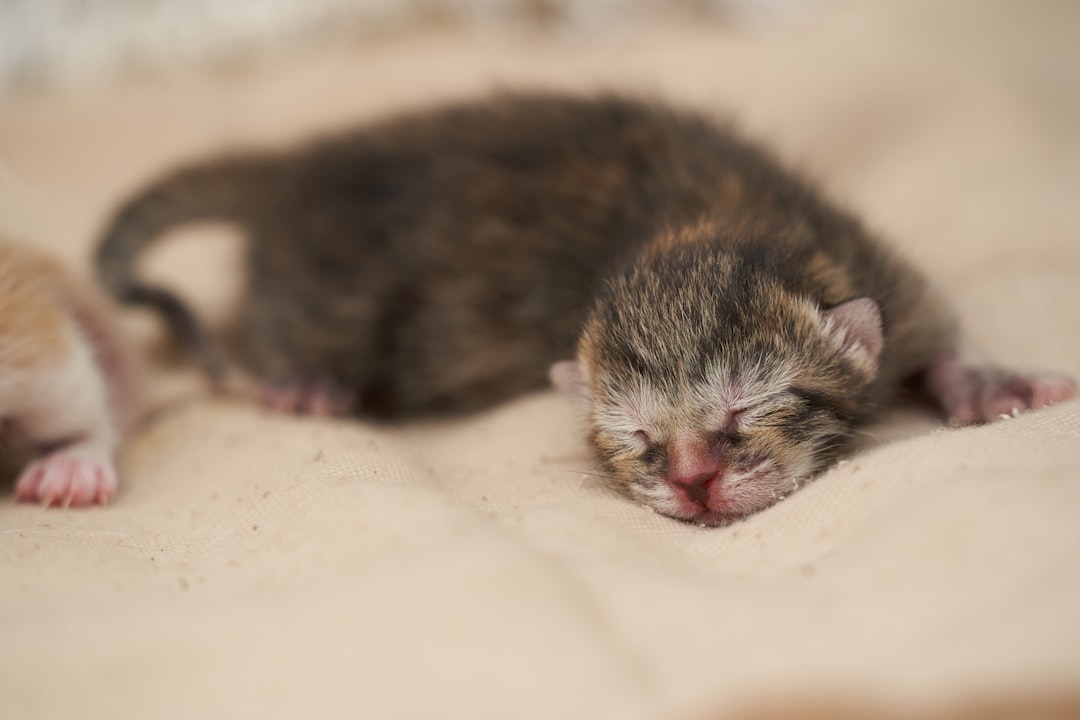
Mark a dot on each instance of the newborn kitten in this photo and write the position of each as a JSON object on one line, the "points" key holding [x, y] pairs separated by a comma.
{"points": [[731, 327], [66, 381]]}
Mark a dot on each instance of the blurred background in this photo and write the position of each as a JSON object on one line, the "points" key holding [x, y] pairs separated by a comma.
{"points": [[65, 42]]}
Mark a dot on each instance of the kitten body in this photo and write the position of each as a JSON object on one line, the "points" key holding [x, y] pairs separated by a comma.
{"points": [[731, 328]]}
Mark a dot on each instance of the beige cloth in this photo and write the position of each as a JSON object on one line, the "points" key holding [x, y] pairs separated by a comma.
{"points": [[261, 566]]}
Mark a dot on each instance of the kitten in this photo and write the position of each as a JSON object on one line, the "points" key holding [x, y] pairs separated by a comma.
{"points": [[731, 327], [67, 382]]}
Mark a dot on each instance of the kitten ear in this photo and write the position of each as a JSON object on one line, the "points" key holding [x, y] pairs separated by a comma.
{"points": [[569, 377], [855, 329]]}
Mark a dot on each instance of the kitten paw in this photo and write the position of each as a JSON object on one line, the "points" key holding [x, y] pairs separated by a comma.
{"points": [[68, 477], [971, 395], [308, 396]]}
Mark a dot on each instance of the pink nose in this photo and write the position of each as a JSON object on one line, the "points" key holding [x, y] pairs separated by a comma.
{"points": [[693, 469], [695, 488]]}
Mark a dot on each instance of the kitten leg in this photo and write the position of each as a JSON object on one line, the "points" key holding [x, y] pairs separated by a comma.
{"points": [[315, 396], [971, 393], [66, 410]]}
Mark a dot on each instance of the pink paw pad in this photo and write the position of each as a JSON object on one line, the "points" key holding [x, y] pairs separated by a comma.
{"points": [[67, 478], [315, 397]]}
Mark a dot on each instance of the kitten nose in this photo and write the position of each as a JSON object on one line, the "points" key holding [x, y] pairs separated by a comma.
{"points": [[692, 470], [696, 487]]}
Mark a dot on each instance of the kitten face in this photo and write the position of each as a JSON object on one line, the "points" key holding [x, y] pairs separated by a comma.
{"points": [[716, 449], [709, 401]]}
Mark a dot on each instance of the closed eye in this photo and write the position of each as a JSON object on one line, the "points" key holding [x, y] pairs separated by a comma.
{"points": [[735, 422], [650, 450], [768, 412], [816, 400]]}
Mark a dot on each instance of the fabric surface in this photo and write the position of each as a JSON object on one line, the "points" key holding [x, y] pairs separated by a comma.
{"points": [[264, 566]]}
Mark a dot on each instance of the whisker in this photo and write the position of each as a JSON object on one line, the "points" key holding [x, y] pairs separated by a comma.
{"points": [[591, 474], [868, 433]]}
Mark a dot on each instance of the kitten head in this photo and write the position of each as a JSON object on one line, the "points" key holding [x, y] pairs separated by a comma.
{"points": [[712, 391]]}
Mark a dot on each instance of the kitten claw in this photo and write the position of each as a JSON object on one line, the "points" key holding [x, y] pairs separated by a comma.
{"points": [[75, 476]]}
